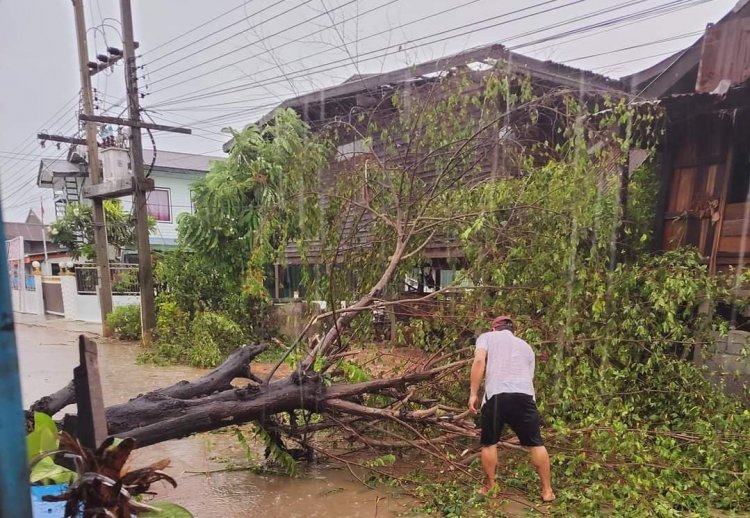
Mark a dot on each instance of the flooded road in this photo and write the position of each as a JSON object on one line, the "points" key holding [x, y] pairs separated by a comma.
{"points": [[47, 355]]}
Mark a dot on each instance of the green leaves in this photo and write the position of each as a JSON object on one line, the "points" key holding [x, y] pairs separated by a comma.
{"points": [[384, 460], [75, 230], [125, 321], [43, 440], [167, 510], [251, 205]]}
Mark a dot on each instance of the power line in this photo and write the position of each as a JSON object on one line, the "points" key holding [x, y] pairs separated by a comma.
{"points": [[192, 31], [307, 36], [380, 33], [664, 9], [255, 109], [234, 51], [53, 120], [642, 58], [16, 170], [640, 45], [25, 186], [17, 179], [304, 2], [376, 54], [241, 20]]}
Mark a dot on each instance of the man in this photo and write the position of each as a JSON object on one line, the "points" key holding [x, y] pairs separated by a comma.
{"points": [[508, 398]]}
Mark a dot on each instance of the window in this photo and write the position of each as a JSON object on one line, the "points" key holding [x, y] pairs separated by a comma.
{"points": [[739, 180], [157, 204], [739, 177]]}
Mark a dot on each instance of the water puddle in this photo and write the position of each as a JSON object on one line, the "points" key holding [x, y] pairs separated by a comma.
{"points": [[207, 485]]}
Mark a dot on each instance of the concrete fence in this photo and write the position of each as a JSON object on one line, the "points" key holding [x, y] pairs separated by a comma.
{"points": [[61, 295], [85, 306]]}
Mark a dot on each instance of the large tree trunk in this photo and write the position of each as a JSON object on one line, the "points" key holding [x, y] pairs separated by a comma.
{"points": [[211, 402]]}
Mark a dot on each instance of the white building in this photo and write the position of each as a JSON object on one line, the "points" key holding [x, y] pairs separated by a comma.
{"points": [[73, 293], [173, 175]]}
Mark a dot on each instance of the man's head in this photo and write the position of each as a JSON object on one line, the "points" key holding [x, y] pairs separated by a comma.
{"points": [[503, 323]]}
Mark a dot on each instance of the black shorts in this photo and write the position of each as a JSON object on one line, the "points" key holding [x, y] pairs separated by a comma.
{"points": [[518, 411]]}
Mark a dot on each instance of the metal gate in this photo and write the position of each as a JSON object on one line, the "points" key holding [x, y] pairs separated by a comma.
{"points": [[52, 293]]}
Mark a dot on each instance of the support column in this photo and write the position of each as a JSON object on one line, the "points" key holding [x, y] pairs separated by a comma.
{"points": [[69, 295], [39, 292]]}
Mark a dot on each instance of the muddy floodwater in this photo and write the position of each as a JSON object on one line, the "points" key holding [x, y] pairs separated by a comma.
{"points": [[201, 464]]}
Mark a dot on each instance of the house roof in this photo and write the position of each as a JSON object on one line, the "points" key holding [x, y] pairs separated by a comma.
{"points": [[478, 58], [170, 161], [678, 72], [32, 218], [173, 161], [48, 169], [28, 231]]}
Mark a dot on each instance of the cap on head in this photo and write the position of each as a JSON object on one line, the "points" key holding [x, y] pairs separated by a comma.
{"points": [[501, 321]]}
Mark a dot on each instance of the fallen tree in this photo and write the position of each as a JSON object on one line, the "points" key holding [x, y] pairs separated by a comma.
{"points": [[212, 402]]}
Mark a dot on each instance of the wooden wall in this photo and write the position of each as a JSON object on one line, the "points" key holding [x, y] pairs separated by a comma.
{"points": [[734, 241], [700, 151]]}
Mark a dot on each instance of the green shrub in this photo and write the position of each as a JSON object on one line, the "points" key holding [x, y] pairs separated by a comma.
{"points": [[125, 322], [214, 336], [204, 354], [172, 322], [204, 342]]}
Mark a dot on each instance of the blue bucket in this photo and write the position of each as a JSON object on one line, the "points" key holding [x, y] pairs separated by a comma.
{"points": [[41, 509]]}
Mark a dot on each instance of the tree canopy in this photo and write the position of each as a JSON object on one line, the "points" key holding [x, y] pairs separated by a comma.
{"points": [[253, 203], [75, 230]]}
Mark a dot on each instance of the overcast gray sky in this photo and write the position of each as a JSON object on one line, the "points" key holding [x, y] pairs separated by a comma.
{"points": [[206, 75]]}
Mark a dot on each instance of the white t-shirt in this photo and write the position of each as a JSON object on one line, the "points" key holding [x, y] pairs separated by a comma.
{"points": [[510, 364]]}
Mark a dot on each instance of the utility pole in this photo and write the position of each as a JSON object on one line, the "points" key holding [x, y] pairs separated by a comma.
{"points": [[145, 274], [95, 177]]}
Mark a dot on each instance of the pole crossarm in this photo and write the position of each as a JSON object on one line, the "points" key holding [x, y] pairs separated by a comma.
{"points": [[60, 138], [132, 123]]}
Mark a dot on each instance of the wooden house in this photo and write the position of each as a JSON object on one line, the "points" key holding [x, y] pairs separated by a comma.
{"points": [[704, 199], [374, 95]]}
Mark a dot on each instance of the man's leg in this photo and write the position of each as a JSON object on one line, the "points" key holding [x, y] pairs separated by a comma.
{"points": [[489, 464], [540, 460], [492, 427]]}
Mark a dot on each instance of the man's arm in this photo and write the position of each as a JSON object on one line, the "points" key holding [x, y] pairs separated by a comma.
{"points": [[477, 373]]}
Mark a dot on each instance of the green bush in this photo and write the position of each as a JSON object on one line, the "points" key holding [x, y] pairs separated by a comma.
{"points": [[198, 285], [125, 322], [172, 322], [214, 336], [204, 354], [204, 342]]}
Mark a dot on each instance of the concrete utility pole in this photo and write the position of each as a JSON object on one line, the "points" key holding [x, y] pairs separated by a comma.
{"points": [[95, 177], [145, 274]]}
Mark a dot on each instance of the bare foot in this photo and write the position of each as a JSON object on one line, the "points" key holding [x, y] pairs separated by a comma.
{"points": [[485, 489], [548, 497]]}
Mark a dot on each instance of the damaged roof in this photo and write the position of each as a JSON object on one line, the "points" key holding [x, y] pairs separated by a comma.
{"points": [[679, 72], [482, 58]]}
